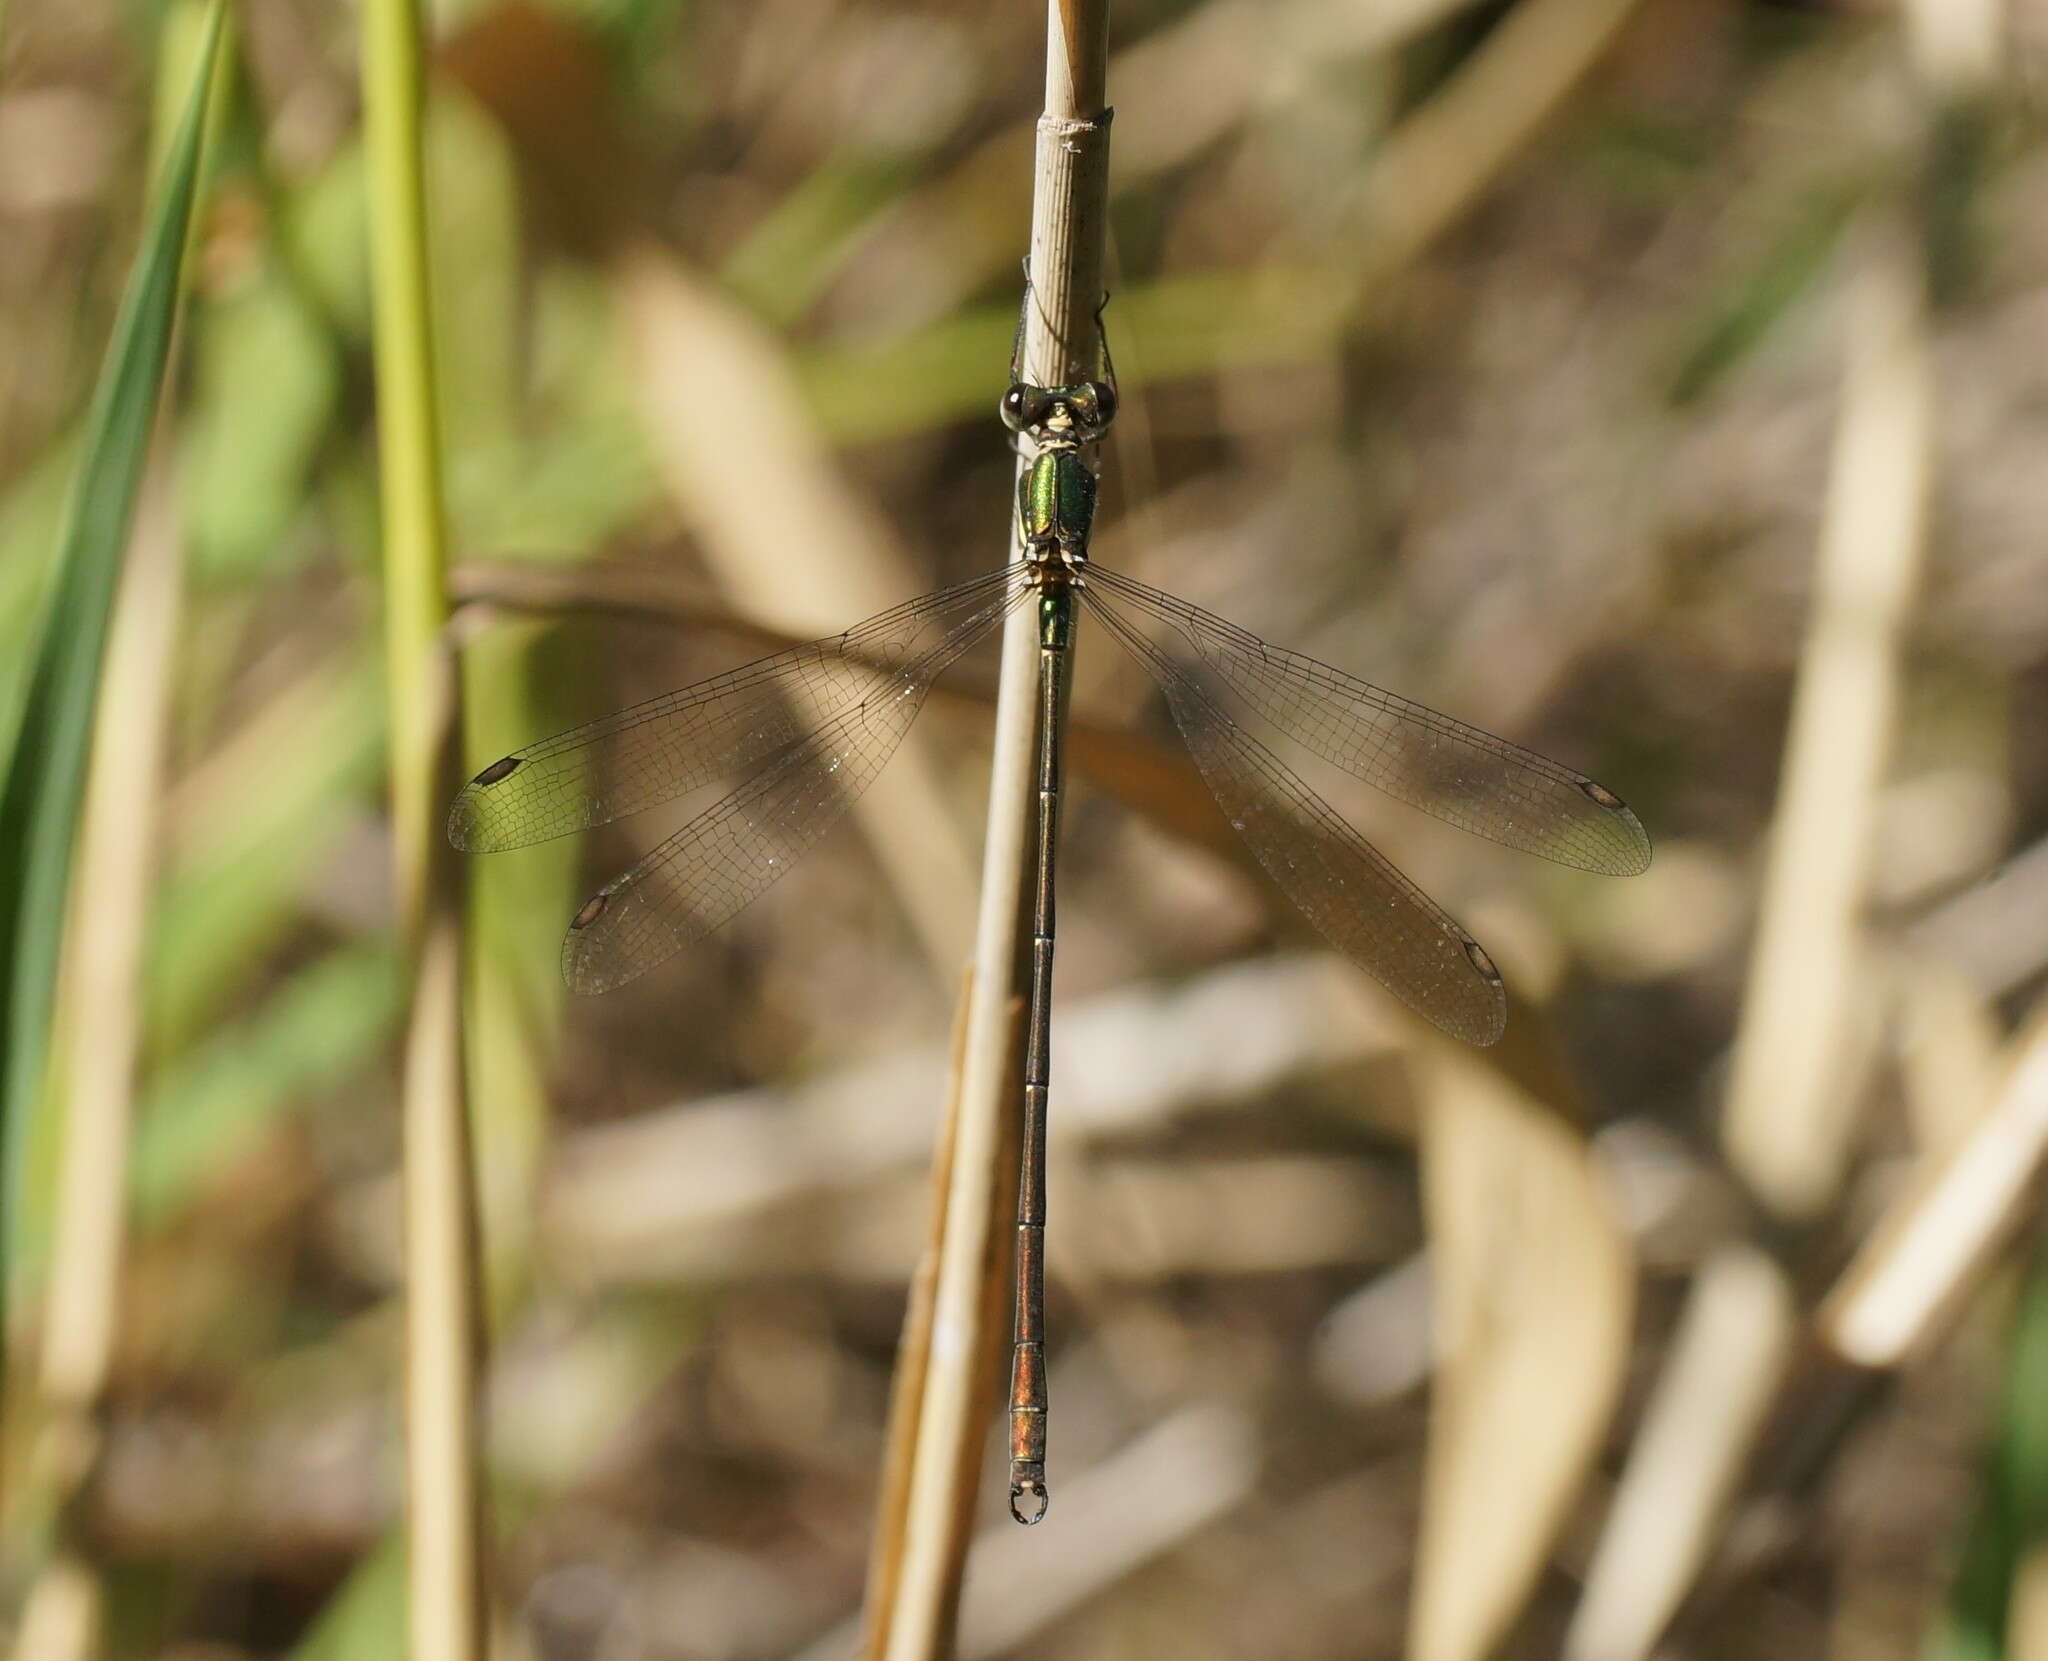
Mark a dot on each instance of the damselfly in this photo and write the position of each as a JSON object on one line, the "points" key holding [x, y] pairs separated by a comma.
{"points": [[808, 729]]}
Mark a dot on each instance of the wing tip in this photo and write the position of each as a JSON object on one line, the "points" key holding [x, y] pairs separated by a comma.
{"points": [[607, 944], [1471, 1009], [1628, 850], [1493, 1020], [466, 823], [582, 972], [1481, 1027], [590, 963], [1637, 851]]}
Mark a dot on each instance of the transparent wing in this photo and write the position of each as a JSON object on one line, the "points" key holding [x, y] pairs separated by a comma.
{"points": [[1462, 775], [1346, 887], [668, 746], [727, 856]]}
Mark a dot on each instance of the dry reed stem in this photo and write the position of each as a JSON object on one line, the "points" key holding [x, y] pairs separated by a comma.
{"points": [[1806, 1021], [1059, 346], [1932, 1247], [1709, 1403], [941, 1455], [913, 1359], [100, 1020], [117, 849], [442, 1309]]}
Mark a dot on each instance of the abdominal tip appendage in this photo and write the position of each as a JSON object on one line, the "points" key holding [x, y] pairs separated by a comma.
{"points": [[1029, 1501]]}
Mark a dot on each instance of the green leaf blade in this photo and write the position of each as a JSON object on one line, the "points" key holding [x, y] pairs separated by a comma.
{"points": [[44, 780]]}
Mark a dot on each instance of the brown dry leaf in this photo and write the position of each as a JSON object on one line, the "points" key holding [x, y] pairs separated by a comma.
{"points": [[1534, 1300]]}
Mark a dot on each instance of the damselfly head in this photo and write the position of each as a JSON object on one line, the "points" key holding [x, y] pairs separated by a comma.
{"points": [[1085, 410]]}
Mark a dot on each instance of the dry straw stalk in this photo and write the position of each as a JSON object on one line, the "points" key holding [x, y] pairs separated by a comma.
{"points": [[1068, 207]]}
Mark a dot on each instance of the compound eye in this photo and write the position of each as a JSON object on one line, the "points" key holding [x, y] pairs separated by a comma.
{"points": [[1025, 407], [1104, 395]]}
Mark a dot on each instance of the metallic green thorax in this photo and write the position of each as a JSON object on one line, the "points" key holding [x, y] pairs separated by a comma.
{"points": [[1056, 510], [1056, 504]]}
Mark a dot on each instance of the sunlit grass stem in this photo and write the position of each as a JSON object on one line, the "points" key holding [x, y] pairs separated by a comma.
{"points": [[98, 1048], [445, 1578]]}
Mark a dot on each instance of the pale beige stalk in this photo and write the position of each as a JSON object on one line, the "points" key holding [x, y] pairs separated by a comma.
{"points": [[1708, 1405], [1059, 347], [1806, 1020], [906, 1385], [99, 1025], [1935, 1243], [443, 1298]]}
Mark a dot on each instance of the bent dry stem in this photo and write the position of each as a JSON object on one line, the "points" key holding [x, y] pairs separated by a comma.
{"points": [[807, 729]]}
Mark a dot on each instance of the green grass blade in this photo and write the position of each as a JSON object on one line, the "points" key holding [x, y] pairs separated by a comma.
{"points": [[365, 1620], [45, 772], [2012, 1512]]}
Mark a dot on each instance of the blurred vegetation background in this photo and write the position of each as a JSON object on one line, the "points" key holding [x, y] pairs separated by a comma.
{"points": [[1644, 381]]}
